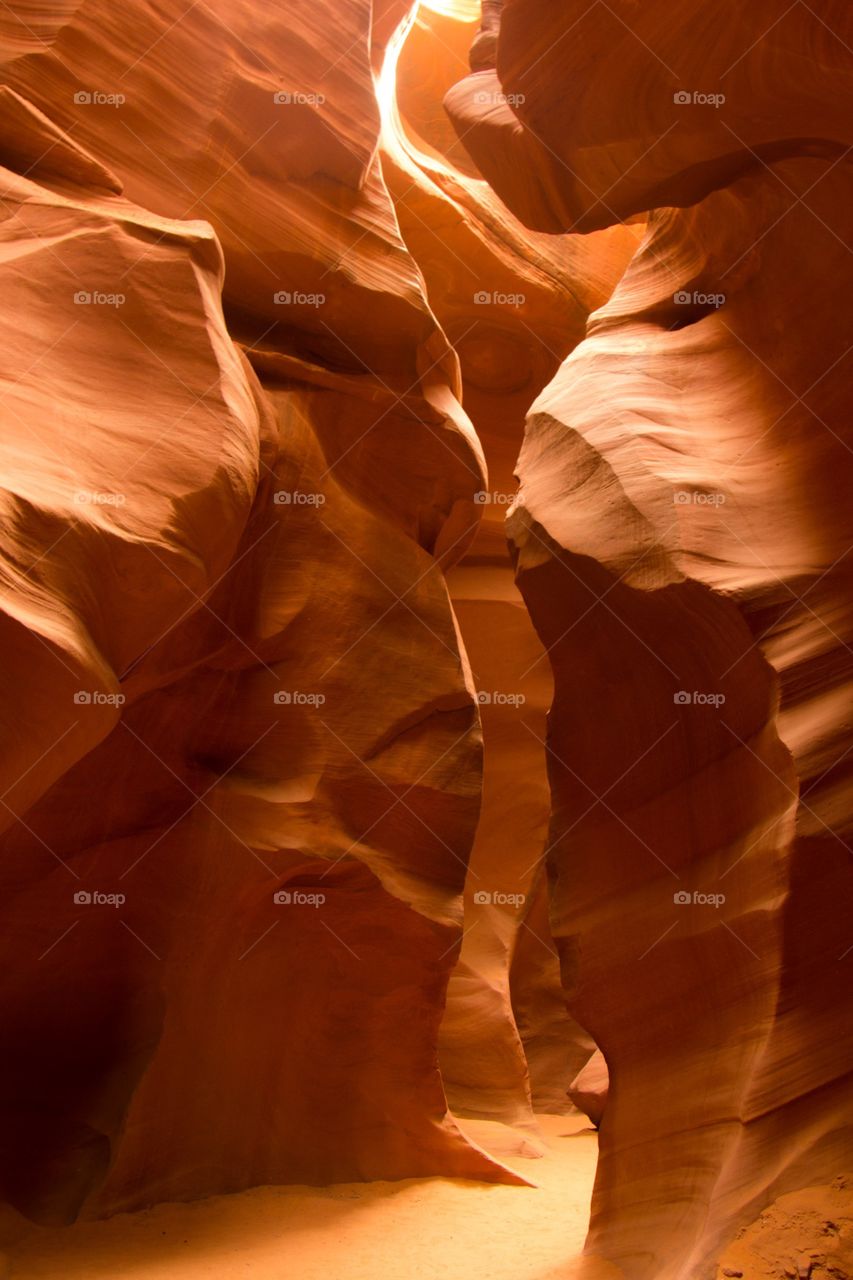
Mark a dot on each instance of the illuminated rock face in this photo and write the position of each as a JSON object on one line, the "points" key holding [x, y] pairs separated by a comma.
{"points": [[242, 757], [581, 116], [682, 536], [678, 542], [243, 767], [513, 304], [268, 903]]}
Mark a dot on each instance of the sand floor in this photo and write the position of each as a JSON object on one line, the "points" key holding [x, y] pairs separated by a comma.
{"points": [[421, 1229], [805, 1233]]}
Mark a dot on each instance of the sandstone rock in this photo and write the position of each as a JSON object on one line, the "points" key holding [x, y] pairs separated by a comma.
{"points": [[657, 542], [269, 903], [694, 604], [512, 304], [293, 469], [588, 1091], [681, 104], [207, 968]]}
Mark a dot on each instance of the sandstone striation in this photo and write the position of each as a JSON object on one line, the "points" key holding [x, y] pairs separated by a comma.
{"points": [[237, 471], [682, 547], [331, 826], [226, 620], [513, 304]]}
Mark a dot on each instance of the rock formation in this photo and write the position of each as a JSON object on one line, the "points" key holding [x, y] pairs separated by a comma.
{"points": [[588, 1091], [225, 622], [513, 304], [682, 543], [237, 470], [321, 811]]}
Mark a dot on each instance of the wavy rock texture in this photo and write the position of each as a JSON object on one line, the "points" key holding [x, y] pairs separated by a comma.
{"points": [[588, 1090], [257, 601], [225, 617], [513, 304], [681, 102], [682, 538], [237, 469]]}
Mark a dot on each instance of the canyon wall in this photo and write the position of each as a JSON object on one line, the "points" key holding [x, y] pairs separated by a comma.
{"points": [[513, 304], [242, 753], [329, 825], [682, 538]]}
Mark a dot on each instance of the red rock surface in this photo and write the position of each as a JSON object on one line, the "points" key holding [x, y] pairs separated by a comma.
{"points": [[513, 305], [588, 1090], [226, 624], [595, 113], [232, 488], [683, 548], [383, 817]]}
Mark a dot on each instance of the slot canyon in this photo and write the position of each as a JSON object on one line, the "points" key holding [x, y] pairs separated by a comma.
{"points": [[427, 623]]}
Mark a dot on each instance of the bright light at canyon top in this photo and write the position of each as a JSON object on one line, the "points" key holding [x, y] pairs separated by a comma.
{"points": [[463, 10], [393, 134]]}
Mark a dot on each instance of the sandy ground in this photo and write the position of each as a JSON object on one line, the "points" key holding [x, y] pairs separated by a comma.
{"points": [[421, 1229], [806, 1233]]}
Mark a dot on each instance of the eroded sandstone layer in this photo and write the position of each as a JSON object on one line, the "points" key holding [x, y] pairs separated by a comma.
{"points": [[243, 771], [292, 856], [683, 543], [242, 757], [513, 304]]}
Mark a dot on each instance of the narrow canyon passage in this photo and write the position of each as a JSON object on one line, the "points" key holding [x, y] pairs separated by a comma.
{"points": [[426, 612]]}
